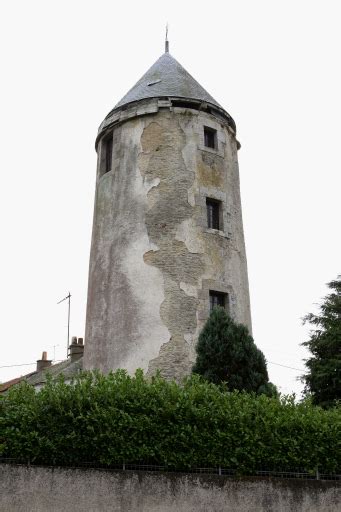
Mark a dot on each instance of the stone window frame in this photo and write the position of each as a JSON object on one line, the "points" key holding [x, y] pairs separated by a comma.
{"points": [[210, 123], [204, 297], [224, 213]]}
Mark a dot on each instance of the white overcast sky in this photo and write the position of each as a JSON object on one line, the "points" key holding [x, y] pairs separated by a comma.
{"points": [[275, 67]]}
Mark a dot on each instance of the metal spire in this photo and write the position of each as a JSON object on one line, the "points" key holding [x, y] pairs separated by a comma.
{"points": [[166, 41]]}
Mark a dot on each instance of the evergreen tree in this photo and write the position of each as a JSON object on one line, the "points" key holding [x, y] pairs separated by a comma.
{"points": [[227, 353], [323, 380]]}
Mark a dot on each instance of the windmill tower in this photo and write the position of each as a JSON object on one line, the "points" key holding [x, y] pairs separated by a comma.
{"points": [[167, 242]]}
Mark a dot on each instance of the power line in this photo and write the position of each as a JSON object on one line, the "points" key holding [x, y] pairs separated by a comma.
{"points": [[27, 364], [13, 365], [284, 366], [60, 360]]}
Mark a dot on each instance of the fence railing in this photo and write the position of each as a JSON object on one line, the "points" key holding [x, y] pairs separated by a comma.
{"points": [[297, 473]]}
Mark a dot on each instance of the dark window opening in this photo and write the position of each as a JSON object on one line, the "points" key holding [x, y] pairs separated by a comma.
{"points": [[108, 153], [218, 299], [213, 213], [210, 137], [186, 104]]}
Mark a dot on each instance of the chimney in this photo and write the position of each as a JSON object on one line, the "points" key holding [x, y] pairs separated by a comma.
{"points": [[76, 349], [43, 362]]}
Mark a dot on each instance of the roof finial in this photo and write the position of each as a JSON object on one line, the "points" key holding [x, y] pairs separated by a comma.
{"points": [[166, 41]]}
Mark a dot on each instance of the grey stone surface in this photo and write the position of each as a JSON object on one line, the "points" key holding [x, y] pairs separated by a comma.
{"points": [[36, 489], [152, 256]]}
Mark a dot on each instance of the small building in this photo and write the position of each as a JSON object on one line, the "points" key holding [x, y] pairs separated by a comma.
{"points": [[68, 368]]}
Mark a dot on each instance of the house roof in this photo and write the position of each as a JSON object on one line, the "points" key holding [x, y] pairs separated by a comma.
{"points": [[6, 385], [66, 368]]}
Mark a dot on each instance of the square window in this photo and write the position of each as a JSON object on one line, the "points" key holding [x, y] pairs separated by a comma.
{"points": [[218, 299], [210, 137], [213, 208]]}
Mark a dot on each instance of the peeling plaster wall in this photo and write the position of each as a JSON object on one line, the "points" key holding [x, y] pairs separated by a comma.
{"points": [[59, 489], [153, 260]]}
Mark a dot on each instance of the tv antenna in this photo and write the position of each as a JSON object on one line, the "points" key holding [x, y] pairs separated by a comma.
{"points": [[68, 298], [54, 351]]}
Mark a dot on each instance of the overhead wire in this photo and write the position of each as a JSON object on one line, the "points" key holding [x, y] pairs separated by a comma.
{"points": [[285, 366], [28, 364], [59, 360], [13, 365]]}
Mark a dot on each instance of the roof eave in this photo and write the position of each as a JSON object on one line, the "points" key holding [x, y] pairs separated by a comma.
{"points": [[116, 119]]}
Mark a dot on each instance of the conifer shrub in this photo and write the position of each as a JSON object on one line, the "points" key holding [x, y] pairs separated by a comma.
{"points": [[323, 377], [116, 418], [227, 353]]}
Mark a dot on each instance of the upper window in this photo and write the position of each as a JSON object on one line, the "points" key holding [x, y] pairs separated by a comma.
{"points": [[213, 213], [210, 137], [108, 153], [218, 299]]}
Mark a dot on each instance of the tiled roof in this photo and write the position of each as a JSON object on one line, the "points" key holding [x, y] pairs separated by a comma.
{"points": [[6, 385], [65, 368]]}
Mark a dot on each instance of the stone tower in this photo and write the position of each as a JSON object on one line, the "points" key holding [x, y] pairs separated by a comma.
{"points": [[167, 241]]}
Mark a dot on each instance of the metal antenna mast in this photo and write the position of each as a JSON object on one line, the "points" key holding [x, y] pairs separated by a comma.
{"points": [[68, 297], [166, 40]]}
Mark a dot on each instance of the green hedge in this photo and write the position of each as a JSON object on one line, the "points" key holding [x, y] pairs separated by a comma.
{"points": [[116, 418]]}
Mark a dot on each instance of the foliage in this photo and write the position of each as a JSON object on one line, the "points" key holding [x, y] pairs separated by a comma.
{"points": [[227, 353], [323, 380], [116, 418]]}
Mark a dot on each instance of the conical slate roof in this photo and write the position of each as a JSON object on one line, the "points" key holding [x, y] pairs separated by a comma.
{"points": [[167, 78]]}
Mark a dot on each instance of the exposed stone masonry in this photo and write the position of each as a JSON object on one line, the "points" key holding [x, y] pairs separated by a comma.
{"points": [[168, 206]]}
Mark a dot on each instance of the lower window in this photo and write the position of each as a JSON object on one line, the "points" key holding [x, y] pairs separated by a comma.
{"points": [[218, 299]]}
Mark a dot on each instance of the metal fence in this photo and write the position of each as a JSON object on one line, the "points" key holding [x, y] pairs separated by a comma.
{"points": [[297, 473]]}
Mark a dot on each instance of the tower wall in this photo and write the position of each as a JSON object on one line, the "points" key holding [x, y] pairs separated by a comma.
{"points": [[153, 259]]}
